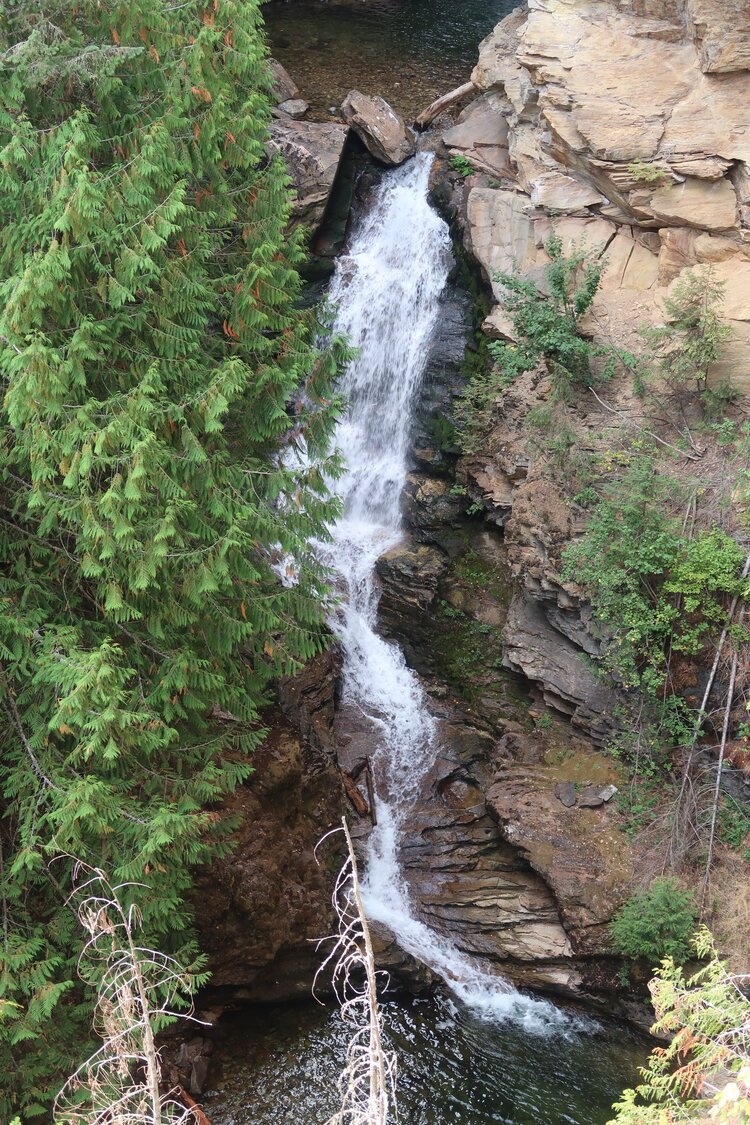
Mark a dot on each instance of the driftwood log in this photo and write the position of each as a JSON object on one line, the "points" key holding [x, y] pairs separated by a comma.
{"points": [[354, 795], [447, 100], [199, 1117]]}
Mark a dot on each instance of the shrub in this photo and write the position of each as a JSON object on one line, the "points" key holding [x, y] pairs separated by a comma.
{"points": [[652, 588], [462, 165], [690, 342], [546, 328], [547, 324], [645, 173], [703, 1074], [656, 923]]}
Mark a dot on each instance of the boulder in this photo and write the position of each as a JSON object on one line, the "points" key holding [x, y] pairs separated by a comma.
{"points": [[481, 136], [556, 192], [294, 107], [312, 152], [380, 128], [284, 86], [468, 883], [565, 791]]}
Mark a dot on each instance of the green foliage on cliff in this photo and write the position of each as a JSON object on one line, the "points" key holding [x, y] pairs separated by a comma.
{"points": [[704, 1072], [692, 339], [653, 589], [656, 923], [151, 348], [546, 327]]}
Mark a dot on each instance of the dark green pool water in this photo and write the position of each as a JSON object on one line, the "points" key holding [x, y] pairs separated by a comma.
{"points": [[409, 51], [279, 1066]]}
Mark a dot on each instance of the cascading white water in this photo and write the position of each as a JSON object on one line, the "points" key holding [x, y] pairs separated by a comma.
{"points": [[386, 291]]}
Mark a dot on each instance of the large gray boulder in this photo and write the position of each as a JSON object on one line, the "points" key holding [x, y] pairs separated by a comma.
{"points": [[381, 129], [284, 86], [312, 152]]}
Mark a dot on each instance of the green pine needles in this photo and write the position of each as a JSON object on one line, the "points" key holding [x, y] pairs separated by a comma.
{"points": [[656, 923], [155, 368]]}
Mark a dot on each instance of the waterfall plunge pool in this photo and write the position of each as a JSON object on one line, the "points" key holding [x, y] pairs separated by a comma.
{"points": [[280, 1066]]}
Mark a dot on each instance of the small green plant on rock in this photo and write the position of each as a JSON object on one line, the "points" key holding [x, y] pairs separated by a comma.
{"points": [[656, 923], [462, 165], [646, 173]]}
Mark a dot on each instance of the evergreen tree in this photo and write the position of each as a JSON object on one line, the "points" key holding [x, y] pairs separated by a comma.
{"points": [[155, 368]]}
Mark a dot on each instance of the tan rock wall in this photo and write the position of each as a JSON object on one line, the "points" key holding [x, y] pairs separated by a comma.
{"points": [[628, 121]]}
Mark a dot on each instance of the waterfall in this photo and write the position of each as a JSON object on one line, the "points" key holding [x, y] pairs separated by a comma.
{"points": [[386, 291]]}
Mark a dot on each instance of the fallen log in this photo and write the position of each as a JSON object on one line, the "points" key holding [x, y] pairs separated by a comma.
{"points": [[354, 795], [447, 100], [199, 1117]]}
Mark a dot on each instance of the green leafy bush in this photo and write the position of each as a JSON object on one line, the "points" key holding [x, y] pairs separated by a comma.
{"points": [[652, 588], [656, 923], [546, 327], [462, 165]]}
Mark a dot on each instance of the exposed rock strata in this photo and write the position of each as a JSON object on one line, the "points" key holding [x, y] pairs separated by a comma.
{"points": [[624, 125], [634, 120], [492, 793]]}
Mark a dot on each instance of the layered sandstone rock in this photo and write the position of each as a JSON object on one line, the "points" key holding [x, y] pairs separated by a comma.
{"points": [[312, 151], [623, 126], [381, 130], [633, 121]]}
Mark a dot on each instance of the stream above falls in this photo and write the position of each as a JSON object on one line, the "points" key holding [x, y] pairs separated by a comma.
{"points": [[408, 51]]}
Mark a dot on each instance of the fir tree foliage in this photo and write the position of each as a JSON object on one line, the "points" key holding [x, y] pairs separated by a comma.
{"points": [[703, 1073], [155, 370], [656, 923]]}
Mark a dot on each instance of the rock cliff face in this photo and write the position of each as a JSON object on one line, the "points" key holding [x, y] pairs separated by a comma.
{"points": [[631, 123], [261, 909], [624, 125]]}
